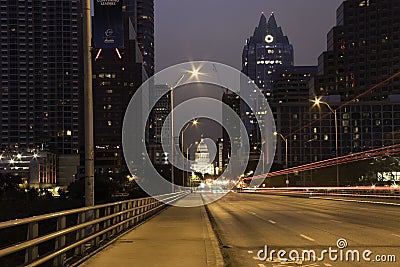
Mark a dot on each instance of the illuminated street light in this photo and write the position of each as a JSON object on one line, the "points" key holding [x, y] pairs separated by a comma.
{"points": [[195, 73], [317, 102], [286, 155]]}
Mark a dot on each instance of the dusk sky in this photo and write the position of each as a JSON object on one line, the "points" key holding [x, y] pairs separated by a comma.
{"points": [[216, 30]]}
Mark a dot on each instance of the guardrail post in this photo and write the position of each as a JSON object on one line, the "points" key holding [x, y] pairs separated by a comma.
{"points": [[148, 207], [90, 214], [60, 241], [141, 210], [96, 227], [80, 234], [136, 206], [128, 214], [121, 218], [115, 219], [31, 253], [106, 223]]}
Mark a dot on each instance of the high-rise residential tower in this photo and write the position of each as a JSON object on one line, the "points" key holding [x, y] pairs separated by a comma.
{"points": [[39, 86]]}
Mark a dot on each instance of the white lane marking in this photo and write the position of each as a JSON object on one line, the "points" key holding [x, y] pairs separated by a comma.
{"points": [[396, 235], [327, 264], [336, 221], [261, 265], [249, 251], [307, 237], [271, 221]]}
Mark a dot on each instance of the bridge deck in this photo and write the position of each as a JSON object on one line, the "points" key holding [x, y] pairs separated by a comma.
{"points": [[176, 237]]}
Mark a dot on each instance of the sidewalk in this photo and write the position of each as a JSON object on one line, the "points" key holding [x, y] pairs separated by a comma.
{"points": [[175, 237]]}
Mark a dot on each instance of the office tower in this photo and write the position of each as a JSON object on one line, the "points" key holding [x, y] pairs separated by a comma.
{"points": [[145, 33], [117, 74], [363, 49], [265, 52]]}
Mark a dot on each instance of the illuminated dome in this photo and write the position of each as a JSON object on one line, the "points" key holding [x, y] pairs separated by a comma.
{"points": [[202, 161], [202, 147]]}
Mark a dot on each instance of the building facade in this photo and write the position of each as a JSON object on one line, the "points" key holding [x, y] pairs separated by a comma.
{"points": [[363, 50], [202, 162], [265, 52], [39, 86], [117, 74]]}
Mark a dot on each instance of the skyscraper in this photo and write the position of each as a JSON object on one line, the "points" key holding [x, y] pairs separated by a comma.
{"points": [[265, 52], [39, 86], [363, 50], [117, 74], [145, 32]]}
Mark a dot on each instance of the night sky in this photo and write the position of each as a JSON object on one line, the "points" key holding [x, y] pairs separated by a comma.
{"points": [[216, 30]]}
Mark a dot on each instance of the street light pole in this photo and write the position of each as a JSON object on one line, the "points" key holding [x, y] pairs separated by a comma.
{"points": [[336, 148], [194, 73], [194, 123], [88, 99], [286, 155], [172, 133], [317, 102]]}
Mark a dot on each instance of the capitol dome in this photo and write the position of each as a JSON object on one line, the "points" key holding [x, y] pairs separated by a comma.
{"points": [[202, 161], [202, 147]]}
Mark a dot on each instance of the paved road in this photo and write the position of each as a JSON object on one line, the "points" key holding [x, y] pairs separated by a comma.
{"points": [[245, 223]]}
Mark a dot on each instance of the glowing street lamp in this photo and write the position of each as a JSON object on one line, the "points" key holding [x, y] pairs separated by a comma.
{"points": [[286, 155], [317, 102], [194, 73]]}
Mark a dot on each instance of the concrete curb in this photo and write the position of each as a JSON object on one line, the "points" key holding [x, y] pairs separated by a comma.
{"points": [[213, 251]]}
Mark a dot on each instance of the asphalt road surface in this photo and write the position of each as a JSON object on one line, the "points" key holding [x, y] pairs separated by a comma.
{"points": [[246, 223]]}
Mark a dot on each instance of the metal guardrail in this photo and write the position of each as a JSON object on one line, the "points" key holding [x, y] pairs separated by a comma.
{"points": [[390, 192], [62, 238]]}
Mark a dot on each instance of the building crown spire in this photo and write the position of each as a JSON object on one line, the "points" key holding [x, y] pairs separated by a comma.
{"points": [[272, 25], [263, 21]]}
